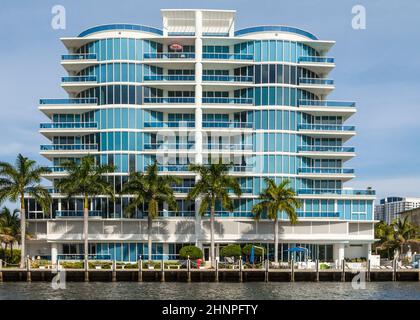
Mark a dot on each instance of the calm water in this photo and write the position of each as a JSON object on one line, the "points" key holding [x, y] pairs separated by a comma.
{"points": [[253, 290]]}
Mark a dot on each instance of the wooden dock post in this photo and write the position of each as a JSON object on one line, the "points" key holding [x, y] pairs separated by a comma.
{"points": [[317, 270], [394, 270], [114, 271], [86, 265], [162, 274], [292, 274], [343, 270], [267, 264], [368, 271], [28, 270], [216, 278], [240, 270], [1, 270], [140, 273], [189, 269]]}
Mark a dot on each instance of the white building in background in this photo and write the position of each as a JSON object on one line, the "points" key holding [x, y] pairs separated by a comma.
{"points": [[388, 208], [260, 94]]}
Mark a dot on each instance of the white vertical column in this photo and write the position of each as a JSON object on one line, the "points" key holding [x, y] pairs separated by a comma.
{"points": [[368, 250], [338, 252], [198, 110], [54, 253]]}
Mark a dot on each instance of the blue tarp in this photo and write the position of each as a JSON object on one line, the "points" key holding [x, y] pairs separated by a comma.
{"points": [[251, 256], [297, 249]]}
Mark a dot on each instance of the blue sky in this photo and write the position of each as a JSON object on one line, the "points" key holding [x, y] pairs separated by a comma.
{"points": [[378, 67]]}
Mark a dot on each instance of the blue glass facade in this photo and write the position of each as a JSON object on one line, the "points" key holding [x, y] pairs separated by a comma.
{"points": [[261, 102]]}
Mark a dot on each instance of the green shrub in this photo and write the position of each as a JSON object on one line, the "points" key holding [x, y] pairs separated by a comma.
{"points": [[231, 250], [246, 250], [102, 264], [324, 266], [72, 265], [192, 251], [13, 258]]}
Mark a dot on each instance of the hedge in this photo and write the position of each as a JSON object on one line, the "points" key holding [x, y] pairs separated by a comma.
{"points": [[192, 251], [231, 250]]}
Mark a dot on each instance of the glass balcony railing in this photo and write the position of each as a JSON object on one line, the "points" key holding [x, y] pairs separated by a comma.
{"points": [[82, 257], [81, 56], [316, 81], [72, 79], [169, 55], [326, 149], [316, 214], [169, 100], [366, 192], [56, 169], [316, 59], [181, 189], [228, 56], [234, 214], [326, 170], [228, 100], [173, 167], [169, 124], [168, 146], [227, 124], [68, 147], [169, 78], [176, 213], [76, 213], [326, 127], [69, 101], [228, 78], [227, 146], [326, 103], [242, 168], [68, 125]]}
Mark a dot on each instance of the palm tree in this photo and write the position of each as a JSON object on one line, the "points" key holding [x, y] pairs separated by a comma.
{"points": [[403, 231], [385, 233], [86, 178], [213, 185], [9, 228], [151, 189], [16, 181], [273, 200]]}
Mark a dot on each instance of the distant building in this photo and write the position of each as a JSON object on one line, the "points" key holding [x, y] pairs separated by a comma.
{"points": [[389, 208], [413, 216]]}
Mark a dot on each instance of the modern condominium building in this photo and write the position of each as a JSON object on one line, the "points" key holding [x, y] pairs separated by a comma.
{"points": [[197, 91], [389, 208]]}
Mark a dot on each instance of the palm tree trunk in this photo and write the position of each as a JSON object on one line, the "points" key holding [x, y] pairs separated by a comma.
{"points": [[276, 241], [11, 250], [86, 226], [22, 232], [212, 210], [149, 235]]}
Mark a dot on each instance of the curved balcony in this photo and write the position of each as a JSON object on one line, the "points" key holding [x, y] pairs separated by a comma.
{"points": [[228, 56], [76, 84], [68, 105], [234, 214], [327, 107], [174, 168], [227, 147], [227, 124], [169, 146], [327, 130], [334, 152], [169, 100], [336, 173], [229, 101], [65, 150], [169, 124], [329, 192], [319, 86], [170, 79], [78, 62], [50, 129], [317, 64], [169, 55]]}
